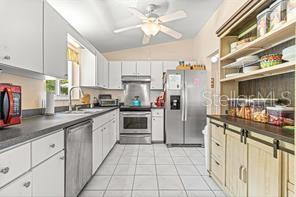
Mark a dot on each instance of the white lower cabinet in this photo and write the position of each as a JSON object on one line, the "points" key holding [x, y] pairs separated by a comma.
{"points": [[48, 177], [21, 187], [97, 148], [157, 125]]}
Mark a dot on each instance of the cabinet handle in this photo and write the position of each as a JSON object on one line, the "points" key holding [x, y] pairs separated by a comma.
{"points": [[27, 184], [4, 170], [240, 172], [217, 163], [244, 175], [217, 144], [6, 57], [52, 145], [62, 158]]}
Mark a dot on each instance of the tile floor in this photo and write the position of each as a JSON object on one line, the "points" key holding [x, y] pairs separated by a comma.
{"points": [[152, 171]]}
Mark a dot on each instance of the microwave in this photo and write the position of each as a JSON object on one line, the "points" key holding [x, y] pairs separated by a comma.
{"points": [[10, 105]]}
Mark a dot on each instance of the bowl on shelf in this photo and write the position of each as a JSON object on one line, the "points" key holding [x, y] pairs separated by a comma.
{"points": [[271, 60]]}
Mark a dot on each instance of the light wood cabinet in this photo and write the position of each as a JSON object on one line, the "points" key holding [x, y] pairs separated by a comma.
{"points": [[115, 75], [143, 68], [264, 171], [21, 34], [55, 43], [129, 68], [236, 165], [156, 75], [48, 177], [21, 187]]}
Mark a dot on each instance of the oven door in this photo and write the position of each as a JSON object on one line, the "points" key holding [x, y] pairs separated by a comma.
{"points": [[135, 122]]}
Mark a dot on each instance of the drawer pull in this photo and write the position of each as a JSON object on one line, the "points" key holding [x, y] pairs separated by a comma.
{"points": [[62, 158], [27, 184], [5, 170], [52, 145], [217, 144], [217, 163]]}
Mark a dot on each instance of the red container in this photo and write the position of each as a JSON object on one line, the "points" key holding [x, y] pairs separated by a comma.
{"points": [[10, 105]]}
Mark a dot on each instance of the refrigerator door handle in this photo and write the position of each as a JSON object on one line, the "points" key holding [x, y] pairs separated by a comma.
{"points": [[186, 102], [183, 103]]}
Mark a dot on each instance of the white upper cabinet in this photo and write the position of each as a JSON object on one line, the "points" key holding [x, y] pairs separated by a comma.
{"points": [[105, 73], [129, 68], [115, 75], [100, 68], [143, 68], [87, 68], [170, 65], [156, 75], [21, 25], [55, 43]]}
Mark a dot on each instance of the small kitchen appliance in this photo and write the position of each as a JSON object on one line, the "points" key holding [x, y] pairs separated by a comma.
{"points": [[136, 102], [10, 105], [105, 100]]}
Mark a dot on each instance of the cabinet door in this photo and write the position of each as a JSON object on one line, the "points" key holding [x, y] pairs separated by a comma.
{"points": [[236, 165], [117, 124], [113, 133], [129, 68], [100, 70], [156, 75], [97, 149], [48, 177], [87, 68], [170, 65], [143, 68], [106, 140], [21, 187], [105, 73], [55, 43], [21, 34], [264, 171], [115, 75], [157, 129]]}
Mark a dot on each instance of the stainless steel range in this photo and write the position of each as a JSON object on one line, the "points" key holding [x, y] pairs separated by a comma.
{"points": [[135, 121]]}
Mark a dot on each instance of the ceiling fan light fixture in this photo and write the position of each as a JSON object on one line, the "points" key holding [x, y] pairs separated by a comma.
{"points": [[150, 29]]}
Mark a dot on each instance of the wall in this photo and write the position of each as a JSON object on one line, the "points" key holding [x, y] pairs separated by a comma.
{"points": [[206, 41], [178, 50], [33, 90]]}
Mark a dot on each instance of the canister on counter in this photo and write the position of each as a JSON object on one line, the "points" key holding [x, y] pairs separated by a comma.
{"points": [[281, 116], [259, 109]]}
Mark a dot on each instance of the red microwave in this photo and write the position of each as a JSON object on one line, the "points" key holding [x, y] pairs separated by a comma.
{"points": [[10, 105]]}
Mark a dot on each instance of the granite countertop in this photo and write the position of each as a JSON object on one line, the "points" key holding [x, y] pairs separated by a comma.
{"points": [[261, 128], [41, 125]]}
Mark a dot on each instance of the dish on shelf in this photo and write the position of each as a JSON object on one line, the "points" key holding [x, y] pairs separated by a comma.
{"points": [[263, 21], [248, 69], [271, 60], [244, 61], [278, 13]]}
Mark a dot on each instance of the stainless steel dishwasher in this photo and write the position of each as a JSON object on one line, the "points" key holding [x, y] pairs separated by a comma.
{"points": [[78, 157]]}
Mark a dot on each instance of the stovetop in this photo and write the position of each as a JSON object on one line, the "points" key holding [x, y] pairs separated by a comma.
{"points": [[135, 108]]}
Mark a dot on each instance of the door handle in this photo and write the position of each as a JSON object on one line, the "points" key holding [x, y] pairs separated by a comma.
{"points": [[186, 102]]}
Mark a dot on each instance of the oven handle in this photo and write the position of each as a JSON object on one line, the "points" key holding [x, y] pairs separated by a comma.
{"points": [[135, 113]]}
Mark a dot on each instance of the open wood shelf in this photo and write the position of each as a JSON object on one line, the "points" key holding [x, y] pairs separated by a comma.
{"points": [[287, 30], [274, 70]]}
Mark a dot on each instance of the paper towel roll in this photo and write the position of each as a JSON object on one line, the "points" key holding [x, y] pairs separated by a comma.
{"points": [[49, 108]]}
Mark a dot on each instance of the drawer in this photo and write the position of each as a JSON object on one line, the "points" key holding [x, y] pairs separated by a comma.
{"points": [[217, 169], [47, 146], [157, 112], [218, 132], [218, 150], [103, 119], [21, 187], [14, 163]]}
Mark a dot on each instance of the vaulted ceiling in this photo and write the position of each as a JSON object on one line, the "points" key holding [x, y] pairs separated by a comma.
{"points": [[96, 19]]}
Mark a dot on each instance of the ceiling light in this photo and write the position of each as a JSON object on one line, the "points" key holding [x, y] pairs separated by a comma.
{"points": [[150, 29]]}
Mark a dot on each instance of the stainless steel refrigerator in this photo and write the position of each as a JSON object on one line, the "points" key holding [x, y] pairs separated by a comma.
{"points": [[185, 108]]}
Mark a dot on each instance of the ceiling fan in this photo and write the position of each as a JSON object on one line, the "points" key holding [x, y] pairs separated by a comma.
{"points": [[152, 23]]}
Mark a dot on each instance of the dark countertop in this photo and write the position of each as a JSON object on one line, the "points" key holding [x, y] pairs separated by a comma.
{"points": [[41, 125], [153, 107], [261, 128]]}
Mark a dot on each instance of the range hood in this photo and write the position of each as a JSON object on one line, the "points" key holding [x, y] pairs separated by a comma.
{"points": [[140, 79]]}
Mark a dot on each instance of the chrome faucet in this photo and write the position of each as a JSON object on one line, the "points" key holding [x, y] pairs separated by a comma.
{"points": [[70, 96]]}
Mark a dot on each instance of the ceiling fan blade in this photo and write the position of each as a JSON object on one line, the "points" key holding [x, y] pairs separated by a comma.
{"points": [[126, 28], [170, 32], [137, 13], [173, 16], [146, 39]]}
